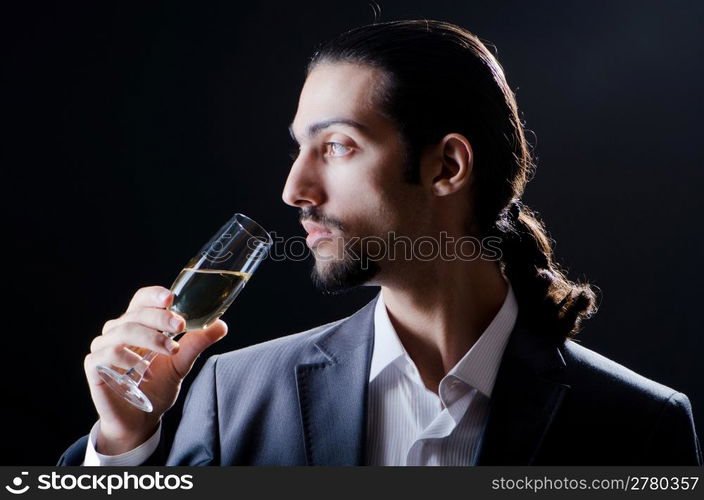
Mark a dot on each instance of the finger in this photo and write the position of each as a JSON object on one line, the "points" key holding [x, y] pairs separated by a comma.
{"points": [[148, 374], [114, 356], [151, 317], [137, 335], [151, 296], [194, 343]]}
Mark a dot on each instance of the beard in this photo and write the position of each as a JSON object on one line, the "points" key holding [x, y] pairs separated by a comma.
{"points": [[354, 267], [352, 270]]}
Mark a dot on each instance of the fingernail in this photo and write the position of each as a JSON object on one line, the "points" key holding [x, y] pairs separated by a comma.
{"points": [[172, 346], [175, 324], [164, 295]]}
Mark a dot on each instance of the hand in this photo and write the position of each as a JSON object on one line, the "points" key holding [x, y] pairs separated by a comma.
{"points": [[123, 427]]}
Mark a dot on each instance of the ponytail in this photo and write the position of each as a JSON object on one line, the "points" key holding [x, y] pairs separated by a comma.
{"points": [[546, 298]]}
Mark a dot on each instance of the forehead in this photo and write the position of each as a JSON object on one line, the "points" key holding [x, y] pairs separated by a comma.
{"points": [[339, 91]]}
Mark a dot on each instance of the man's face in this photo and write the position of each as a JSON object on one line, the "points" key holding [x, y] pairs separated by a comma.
{"points": [[348, 176]]}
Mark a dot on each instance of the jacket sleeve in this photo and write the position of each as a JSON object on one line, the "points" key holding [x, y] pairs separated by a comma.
{"points": [[197, 439], [75, 453], [674, 440]]}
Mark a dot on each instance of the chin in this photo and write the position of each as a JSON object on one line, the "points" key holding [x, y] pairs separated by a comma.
{"points": [[337, 276]]}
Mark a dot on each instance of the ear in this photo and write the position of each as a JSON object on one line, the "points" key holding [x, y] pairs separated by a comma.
{"points": [[452, 169]]}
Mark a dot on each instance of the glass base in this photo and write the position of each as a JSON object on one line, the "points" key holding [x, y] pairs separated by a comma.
{"points": [[125, 387]]}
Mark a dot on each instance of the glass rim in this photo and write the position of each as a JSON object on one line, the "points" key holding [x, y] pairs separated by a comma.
{"points": [[237, 218]]}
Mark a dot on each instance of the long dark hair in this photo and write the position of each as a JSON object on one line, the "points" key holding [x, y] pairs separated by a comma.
{"points": [[438, 79]]}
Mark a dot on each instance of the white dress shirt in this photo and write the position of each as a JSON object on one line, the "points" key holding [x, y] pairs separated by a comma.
{"points": [[410, 425], [407, 423], [132, 457]]}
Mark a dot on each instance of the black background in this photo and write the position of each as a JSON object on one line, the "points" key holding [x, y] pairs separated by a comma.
{"points": [[132, 132]]}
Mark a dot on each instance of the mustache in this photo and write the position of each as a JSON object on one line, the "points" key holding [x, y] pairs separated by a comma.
{"points": [[313, 214]]}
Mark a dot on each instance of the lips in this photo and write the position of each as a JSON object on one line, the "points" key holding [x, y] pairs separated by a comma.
{"points": [[316, 233]]}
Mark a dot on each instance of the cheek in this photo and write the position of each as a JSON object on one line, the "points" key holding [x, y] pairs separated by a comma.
{"points": [[367, 193], [379, 214], [356, 197]]}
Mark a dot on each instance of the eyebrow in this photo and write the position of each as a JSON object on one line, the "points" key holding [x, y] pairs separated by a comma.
{"points": [[317, 127]]}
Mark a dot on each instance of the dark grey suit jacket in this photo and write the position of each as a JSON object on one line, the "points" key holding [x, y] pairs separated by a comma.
{"points": [[301, 400]]}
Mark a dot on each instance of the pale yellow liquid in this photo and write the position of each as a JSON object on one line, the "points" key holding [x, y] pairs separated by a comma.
{"points": [[203, 295]]}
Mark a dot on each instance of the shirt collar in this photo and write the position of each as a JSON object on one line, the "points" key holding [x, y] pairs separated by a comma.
{"points": [[477, 368], [387, 346]]}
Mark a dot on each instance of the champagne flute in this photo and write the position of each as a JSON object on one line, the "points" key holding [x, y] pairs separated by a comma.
{"points": [[203, 291]]}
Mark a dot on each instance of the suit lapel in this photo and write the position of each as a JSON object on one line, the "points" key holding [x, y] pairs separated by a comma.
{"points": [[332, 392], [528, 391]]}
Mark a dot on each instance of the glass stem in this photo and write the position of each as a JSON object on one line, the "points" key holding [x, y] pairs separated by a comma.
{"points": [[136, 373]]}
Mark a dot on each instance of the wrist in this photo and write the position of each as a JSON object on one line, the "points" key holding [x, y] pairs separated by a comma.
{"points": [[109, 442]]}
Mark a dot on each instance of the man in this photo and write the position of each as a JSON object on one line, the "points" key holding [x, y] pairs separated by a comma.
{"points": [[406, 130]]}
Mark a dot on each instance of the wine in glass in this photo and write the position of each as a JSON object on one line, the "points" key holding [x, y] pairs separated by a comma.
{"points": [[203, 291]]}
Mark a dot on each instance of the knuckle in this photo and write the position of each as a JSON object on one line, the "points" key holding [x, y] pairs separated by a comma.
{"points": [[154, 291], [145, 290], [127, 316], [109, 324], [137, 297], [168, 318], [130, 328]]}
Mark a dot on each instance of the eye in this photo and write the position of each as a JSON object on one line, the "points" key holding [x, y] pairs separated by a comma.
{"points": [[336, 149]]}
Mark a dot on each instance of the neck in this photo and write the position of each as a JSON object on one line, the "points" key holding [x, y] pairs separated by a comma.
{"points": [[440, 309]]}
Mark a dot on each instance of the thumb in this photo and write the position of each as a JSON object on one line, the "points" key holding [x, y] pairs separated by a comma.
{"points": [[195, 342]]}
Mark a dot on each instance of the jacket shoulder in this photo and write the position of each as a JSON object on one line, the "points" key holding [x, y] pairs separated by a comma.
{"points": [[640, 420], [591, 370]]}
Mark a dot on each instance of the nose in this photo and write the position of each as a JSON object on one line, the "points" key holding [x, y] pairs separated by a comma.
{"points": [[303, 185]]}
